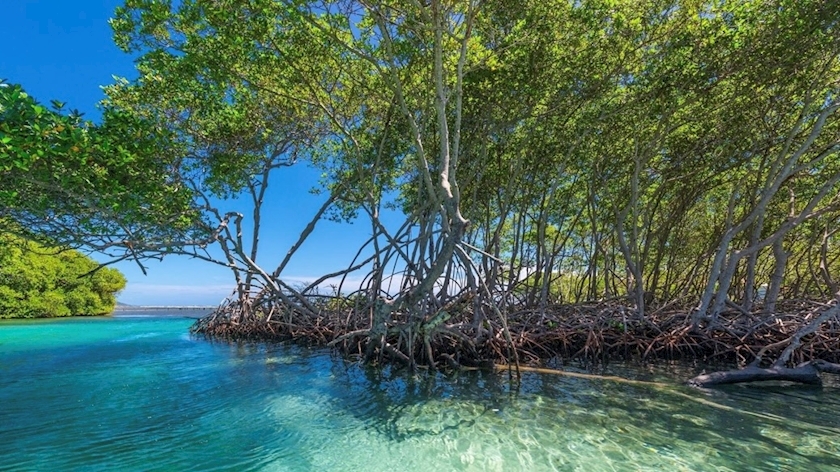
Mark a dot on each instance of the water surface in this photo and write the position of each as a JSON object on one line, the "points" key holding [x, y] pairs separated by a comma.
{"points": [[138, 393]]}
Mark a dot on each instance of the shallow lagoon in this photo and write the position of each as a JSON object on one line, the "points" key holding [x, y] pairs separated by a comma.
{"points": [[138, 393]]}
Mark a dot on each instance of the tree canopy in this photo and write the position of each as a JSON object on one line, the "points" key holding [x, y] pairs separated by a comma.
{"points": [[71, 183], [658, 152]]}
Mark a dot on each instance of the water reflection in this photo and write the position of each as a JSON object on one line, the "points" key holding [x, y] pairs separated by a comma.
{"points": [[136, 394]]}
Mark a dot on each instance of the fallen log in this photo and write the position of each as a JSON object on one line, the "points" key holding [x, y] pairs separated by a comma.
{"points": [[806, 373], [824, 366]]}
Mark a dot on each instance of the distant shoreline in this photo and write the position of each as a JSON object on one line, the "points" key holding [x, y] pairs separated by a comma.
{"points": [[160, 308]]}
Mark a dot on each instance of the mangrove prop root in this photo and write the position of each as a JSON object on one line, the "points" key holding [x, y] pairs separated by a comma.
{"points": [[595, 332]]}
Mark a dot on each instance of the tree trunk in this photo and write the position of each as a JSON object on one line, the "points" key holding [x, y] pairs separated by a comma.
{"points": [[776, 279]]}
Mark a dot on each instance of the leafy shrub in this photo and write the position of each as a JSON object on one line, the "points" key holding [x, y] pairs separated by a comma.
{"points": [[37, 281]]}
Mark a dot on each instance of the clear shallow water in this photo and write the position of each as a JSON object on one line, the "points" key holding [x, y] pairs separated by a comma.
{"points": [[137, 393]]}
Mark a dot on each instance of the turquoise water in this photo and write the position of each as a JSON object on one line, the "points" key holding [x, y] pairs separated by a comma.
{"points": [[137, 393]]}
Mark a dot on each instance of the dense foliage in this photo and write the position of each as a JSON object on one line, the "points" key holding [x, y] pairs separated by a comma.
{"points": [[658, 149], [666, 152], [69, 182], [36, 281]]}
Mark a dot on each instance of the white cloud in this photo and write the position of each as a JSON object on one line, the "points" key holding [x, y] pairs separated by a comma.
{"points": [[161, 294], [179, 289], [175, 294]]}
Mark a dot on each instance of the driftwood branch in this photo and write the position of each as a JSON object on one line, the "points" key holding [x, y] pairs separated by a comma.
{"points": [[806, 374], [810, 328]]}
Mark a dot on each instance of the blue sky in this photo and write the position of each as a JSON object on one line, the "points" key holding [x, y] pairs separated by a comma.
{"points": [[62, 49]]}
